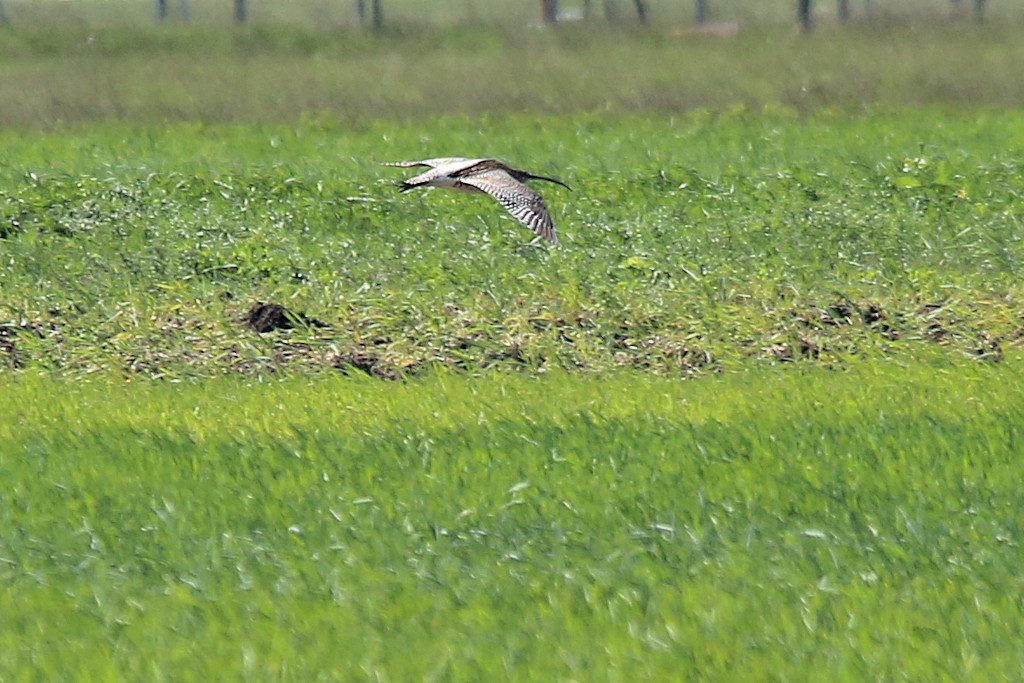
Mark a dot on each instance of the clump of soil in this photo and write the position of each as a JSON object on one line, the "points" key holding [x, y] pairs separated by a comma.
{"points": [[989, 348], [872, 314], [367, 362], [9, 352], [267, 317], [7, 348]]}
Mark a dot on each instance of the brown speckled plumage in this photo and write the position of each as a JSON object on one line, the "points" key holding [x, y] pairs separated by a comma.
{"points": [[505, 184]]}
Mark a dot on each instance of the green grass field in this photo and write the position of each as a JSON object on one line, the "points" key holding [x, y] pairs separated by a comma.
{"points": [[757, 417], [770, 525], [690, 244], [835, 493]]}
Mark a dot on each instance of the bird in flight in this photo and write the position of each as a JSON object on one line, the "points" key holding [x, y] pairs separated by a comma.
{"points": [[505, 184]]}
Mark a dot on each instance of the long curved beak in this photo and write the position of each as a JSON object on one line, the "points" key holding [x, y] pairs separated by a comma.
{"points": [[550, 180]]}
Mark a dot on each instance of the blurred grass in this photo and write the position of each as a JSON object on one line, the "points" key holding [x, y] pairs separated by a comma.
{"points": [[427, 13], [52, 75], [860, 524]]}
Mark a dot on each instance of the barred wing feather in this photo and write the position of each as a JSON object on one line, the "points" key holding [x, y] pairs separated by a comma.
{"points": [[520, 200]]}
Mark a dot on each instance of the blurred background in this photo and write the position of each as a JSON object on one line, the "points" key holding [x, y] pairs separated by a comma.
{"points": [[352, 60], [326, 14]]}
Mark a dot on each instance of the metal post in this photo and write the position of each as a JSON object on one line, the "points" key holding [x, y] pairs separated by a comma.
{"points": [[186, 11], [377, 10], [843, 11], [803, 10], [700, 13], [240, 12], [641, 10], [549, 11], [979, 10], [161, 10], [611, 12]]}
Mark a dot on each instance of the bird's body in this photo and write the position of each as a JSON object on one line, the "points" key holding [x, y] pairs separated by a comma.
{"points": [[505, 184]]}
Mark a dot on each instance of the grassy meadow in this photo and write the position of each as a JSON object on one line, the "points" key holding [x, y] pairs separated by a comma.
{"points": [[155, 74], [690, 244], [757, 416], [857, 524]]}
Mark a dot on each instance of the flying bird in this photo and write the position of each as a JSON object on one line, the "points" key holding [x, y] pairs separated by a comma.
{"points": [[505, 184]]}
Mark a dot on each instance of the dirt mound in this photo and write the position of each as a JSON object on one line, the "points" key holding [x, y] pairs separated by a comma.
{"points": [[10, 354], [267, 317], [8, 351]]}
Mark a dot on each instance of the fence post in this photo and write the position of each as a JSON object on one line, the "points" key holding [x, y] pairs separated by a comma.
{"points": [[377, 12], [803, 10], [700, 12], [611, 12], [3, 14], [979, 10], [843, 11], [186, 11], [161, 10], [641, 10], [240, 12], [549, 11]]}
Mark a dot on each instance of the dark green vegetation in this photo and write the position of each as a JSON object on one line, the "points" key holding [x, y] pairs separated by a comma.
{"points": [[690, 243], [862, 524]]}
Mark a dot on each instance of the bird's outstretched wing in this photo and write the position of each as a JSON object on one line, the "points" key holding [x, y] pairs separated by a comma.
{"points": [[427, 163], [452, 168], [520, 200]]}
